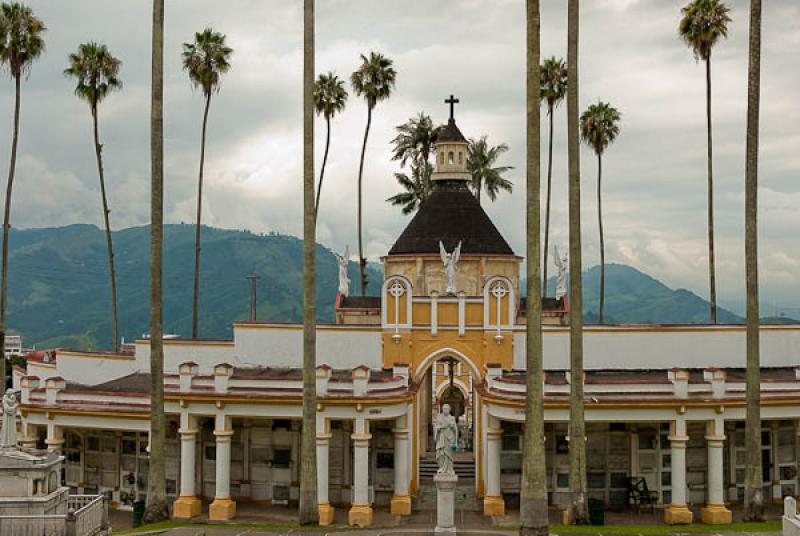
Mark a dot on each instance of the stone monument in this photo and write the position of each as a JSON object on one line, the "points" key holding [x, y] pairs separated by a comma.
{"points": [[450, 262], [446, 436]]}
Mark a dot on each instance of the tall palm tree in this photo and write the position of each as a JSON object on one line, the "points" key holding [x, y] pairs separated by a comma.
{"points": [[330, 98], [156, 507], [599, 128], [415, 139], [205, 60], [533, 499], [481, 159], [21, 43], [753, 496], [702, 24], [578, 512], [374, 80], [97, 75], [309, 507], [417, 188], [553, 82]]}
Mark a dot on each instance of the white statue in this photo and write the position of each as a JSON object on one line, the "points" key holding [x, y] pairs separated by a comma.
{"points": [[344, 281], [562, 263], [10, 405], [450, 260], [445, 433]]}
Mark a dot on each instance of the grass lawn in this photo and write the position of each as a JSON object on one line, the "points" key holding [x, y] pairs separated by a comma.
{"points": [[770, 526]]}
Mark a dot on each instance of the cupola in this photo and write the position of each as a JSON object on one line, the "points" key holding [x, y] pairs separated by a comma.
{"points": [[451, 150]]}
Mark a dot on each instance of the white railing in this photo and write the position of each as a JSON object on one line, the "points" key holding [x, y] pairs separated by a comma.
{"points": [[86, 516], [791, 520]]}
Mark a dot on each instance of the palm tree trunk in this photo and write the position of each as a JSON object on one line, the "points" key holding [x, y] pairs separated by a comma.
{"points": [[156, 508], [753, 497], [196, 299], [533, 499], [324, 161], [547, 209], [6, 226], [309, 509], [602, 239], [362, 261], [98, 151], [712, 277], [578, 513]]}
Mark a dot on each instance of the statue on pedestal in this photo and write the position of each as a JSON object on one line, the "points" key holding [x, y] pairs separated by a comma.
{"points": [[445, 433], [342, 261], [562, 263], [450, 261], [10, 405]]}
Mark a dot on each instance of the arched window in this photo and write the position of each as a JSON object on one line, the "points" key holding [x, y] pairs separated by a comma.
{"points": [[460, 157], [450, 158]]}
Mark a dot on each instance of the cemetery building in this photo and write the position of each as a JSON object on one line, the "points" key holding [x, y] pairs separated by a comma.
{"points": [[665, 405]]}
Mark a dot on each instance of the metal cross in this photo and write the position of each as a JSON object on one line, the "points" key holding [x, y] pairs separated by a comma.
{"points": [[451, 101]]}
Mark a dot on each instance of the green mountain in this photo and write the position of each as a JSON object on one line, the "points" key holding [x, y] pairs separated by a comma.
{"points": [[59, 295]]}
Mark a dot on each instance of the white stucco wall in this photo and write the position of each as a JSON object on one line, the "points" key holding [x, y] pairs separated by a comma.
{"points": [[340, 347], [663, 347], [91, 369], [176, 351]]}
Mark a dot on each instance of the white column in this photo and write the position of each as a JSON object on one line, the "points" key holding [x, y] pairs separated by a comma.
{"points": [[678, 512], [55, 438], [326, 511], [188, 504], [493, 504], [361, 509], [715, 512], [223, 508], [401, 501]]}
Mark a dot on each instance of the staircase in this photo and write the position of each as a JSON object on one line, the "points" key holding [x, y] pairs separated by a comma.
{"points": [[463, 465]]}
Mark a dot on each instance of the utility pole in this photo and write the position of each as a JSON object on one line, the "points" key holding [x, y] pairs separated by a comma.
{"points": [[253, 307]]}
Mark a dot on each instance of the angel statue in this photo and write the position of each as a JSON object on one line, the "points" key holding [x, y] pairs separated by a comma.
{"points": [[344, 281], [445, 433], [450, 260], [9, 433], [561, 277]]}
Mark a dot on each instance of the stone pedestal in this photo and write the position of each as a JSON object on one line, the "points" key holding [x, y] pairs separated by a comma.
{"points": [[445, 503]]}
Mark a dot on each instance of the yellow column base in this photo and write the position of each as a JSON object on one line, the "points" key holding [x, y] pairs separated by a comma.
{"points": [[360, 515], [716, 514], [401, 505], [677, 515], [326, 513], [494, 505], [186, 507], [222, 509]]}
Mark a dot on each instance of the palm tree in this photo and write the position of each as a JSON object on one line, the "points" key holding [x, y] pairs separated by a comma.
{"points": [[417, 188], [578, 513], [533, 499], [374, 80], [309, 507], [97, 71], [330, 98], [21, 43], [553, 82], [753, 496], [599, 128], [156, 507], [703, 23], [481, 159], [206, 60]]}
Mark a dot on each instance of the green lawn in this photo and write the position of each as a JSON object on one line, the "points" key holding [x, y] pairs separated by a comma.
{"points": [[771, 526]]}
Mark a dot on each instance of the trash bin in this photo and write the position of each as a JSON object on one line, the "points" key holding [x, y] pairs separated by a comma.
{"points": [[138, 514], [597, 512]]}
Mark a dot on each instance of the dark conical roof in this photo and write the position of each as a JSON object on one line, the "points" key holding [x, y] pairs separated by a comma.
{"points": [[451, 214], [450, 133]]}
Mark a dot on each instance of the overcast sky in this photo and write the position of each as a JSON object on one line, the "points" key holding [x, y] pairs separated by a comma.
{"points": [[630, 55]]}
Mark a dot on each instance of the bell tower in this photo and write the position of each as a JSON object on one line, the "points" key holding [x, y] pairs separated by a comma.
{"points": [[451, 150]]}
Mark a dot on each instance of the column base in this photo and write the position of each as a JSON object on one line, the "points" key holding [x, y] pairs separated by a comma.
{"points": [[222, 509], [716, 514], [677, 514], [326, 514], [494, 505], [186, 507], [360, 515], [401, 505]]}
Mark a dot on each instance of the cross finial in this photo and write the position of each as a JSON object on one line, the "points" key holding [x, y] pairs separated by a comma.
{"points": [[452, 101]]}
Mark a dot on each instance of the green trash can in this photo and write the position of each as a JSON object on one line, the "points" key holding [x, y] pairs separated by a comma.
{"points": [[597, 512], [138, 514]]}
